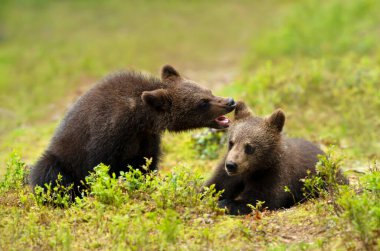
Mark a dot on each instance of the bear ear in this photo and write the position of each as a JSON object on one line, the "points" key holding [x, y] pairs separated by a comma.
{"points": [[169, 74], [241, 111], [277, 120], [158, 99]]}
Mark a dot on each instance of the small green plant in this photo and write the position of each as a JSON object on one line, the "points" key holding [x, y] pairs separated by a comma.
{"points": [[313, 186], [16, 174], [132, 180], [287, 190], [359, 208], [210, 197], [181, 188], [328, 177], [148, 162], [208, 143], [104, 187], [329, 169], [362, 211], [257, 208], [57, 195], [136, 184]]}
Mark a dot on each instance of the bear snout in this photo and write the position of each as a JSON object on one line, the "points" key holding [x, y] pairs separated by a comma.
{"points": [[228, 103], [231, 102], [231, 167]]}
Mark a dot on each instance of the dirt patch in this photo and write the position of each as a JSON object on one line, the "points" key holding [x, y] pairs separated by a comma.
{"points": [[300, 224]]}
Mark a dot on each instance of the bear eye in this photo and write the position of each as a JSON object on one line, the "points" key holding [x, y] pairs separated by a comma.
{"points": [[230, 145], [249, 149], [204, 103]]}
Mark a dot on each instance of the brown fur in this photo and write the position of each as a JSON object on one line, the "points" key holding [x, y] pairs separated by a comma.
{"points": [[119, 122], [260, 162]]}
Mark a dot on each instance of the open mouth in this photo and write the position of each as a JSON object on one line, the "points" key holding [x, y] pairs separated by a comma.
{"points": [[222, 121], [229, 173]]}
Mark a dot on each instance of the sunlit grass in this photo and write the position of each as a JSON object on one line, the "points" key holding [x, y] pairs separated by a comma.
{"points": [[49, 49]]}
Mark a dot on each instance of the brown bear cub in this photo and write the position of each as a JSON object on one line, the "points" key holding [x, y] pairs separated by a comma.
{"points": [[260, 162], [119, 123]]}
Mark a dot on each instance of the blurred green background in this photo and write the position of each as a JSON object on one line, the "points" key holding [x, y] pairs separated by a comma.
{"points": [[317, 60]]}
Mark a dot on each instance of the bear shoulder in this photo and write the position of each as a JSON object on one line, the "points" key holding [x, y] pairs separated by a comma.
{"points": [[302, 147], [299, 156]]}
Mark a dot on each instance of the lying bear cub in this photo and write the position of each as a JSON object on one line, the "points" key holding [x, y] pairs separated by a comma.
{"points": [[119, 122], [260, 162]]}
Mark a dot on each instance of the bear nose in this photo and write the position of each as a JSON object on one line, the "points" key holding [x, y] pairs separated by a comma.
{"points": [[231, 167], [231, 102]]}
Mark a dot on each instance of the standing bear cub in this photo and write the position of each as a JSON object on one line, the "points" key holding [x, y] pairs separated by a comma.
{"points": [[260, 162], [119, 123]]}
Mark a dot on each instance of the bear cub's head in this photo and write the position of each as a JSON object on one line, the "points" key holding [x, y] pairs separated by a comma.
{"points": [[186, 104], [253, 141]]}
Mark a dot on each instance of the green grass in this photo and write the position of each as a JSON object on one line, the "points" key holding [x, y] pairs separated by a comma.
{"points": [[321, 65], [315, 30], [326, 100], [51, 52], [159, 211], [318, 61], [49, 49]]}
